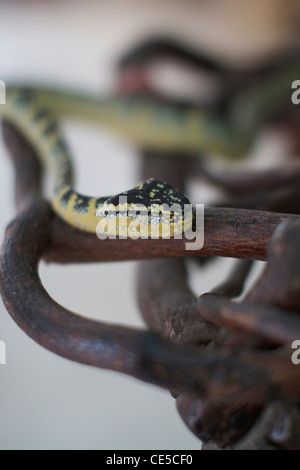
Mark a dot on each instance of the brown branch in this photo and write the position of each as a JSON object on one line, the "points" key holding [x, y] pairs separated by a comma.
{"points": [[167, 304], [228, 232], [273, 325], [219, 375]]}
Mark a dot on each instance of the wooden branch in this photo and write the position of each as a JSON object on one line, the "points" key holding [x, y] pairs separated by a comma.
{"points": [[251, 377]]}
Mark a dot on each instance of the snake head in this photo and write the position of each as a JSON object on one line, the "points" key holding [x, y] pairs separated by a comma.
{"points": [[153, 209]]}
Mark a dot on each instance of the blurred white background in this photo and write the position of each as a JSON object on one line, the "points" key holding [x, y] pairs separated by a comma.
{"points": [[47, 402]]}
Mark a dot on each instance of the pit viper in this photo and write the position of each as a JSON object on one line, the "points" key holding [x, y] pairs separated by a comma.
{"points": [[148, 124]]}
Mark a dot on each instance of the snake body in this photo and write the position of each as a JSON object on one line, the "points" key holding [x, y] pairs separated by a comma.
{"points": [[149, 124], [153, 208]]}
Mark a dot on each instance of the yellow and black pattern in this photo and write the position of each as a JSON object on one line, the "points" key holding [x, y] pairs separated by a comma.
{"points": [[154, 209], [163, 204]]}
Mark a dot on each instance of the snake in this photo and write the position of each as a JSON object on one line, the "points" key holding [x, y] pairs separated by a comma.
{"points": [[153, 205]]}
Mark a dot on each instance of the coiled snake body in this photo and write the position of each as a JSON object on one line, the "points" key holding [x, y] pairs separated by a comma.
{"points": [[149, 124]]}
